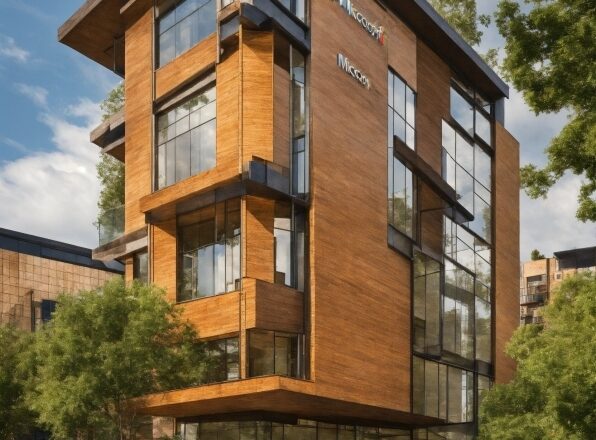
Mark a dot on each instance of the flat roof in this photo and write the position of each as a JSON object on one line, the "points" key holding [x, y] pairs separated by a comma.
{"points": [[94, 27], [54, 250], [576, 258]]}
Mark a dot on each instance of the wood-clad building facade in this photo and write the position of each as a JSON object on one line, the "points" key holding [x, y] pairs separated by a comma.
{"points": [[328, 190]]}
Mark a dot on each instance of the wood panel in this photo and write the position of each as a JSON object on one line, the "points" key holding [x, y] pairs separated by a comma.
{"points": [[138, 111], [185, 67], [432, 104], [163, 257], [506, 265], [360, 289], [228, 112], [258, 236], [257, 95], [214, 316], [281, 103], [273, 307]]}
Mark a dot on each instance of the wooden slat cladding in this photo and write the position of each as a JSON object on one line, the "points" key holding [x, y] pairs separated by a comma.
{"points": [[273, 307], [163, 257], [432, 104], [258, 236], [214, 316], [257, 95], [186, 66], [360, 289], [138, 111], [281, 103], [506, 265]]}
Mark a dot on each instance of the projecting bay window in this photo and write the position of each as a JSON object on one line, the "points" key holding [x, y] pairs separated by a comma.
{"points": [[222, 360], [209, 251], [186, 139], [181, 25], [289, 232], [275, 353]]}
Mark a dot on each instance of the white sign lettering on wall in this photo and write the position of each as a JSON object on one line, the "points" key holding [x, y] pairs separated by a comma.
{"points": [[344, 63], [375, 31]]}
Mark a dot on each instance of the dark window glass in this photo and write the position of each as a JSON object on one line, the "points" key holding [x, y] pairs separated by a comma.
{"points": [[274, 353], [300, 177], [222, 355], [48, 307], [401, 210], [186, 138], [209, 251], [484, 384], [427, 289], [183, 26], [296, 7], [140, 267]]}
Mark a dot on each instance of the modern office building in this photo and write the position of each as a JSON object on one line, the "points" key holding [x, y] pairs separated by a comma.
{"points": [[329, 191], [539, 278], [35, 270]]}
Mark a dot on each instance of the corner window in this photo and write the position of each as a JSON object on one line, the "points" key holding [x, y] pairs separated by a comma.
{"points": [[209, 251], [140, 267], [183, 25], [275, 353], [186, 139], [289, 232], [401, 111], [222, 360]]}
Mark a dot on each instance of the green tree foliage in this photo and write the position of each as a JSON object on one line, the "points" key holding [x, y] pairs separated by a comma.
{"points": [[553, 394], [551, 58], [103, 348], [15, 416], [536, 255], [462, 15], [110, 171]]}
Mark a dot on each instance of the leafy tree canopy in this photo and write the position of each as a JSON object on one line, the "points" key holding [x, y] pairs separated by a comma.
{"points": [[551, 58], [15, 416], [103, 348], [462, 15], [536, 255], [554, 390]]}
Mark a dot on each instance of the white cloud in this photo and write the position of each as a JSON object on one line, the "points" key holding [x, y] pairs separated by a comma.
{"points": [[10, 49], [37, 94], [54, 194]]}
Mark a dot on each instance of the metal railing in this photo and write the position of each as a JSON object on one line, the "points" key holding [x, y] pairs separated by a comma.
{"points": [[110, 225]]}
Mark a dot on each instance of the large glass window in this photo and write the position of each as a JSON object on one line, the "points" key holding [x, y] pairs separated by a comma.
{"points": [[222, 360], [181, 26], [427, 291], [209, 251], [186, 139], [274, 353], [140, 267], [401, 111], [472, 113], [458, 312], [401, 203], [300, 179], [296, 7], [289, 235], [442, 391]]}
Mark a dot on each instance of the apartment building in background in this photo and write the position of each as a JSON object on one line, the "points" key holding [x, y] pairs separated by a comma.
{"points": [[539, 278], [328, 190], [35, 270]]}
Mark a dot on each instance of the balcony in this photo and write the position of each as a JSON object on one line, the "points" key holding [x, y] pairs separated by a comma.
{"points": [[531, 299], [110, 225]]}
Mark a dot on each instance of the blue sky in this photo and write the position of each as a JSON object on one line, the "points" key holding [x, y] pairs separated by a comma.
{"points": [[49, 101]]}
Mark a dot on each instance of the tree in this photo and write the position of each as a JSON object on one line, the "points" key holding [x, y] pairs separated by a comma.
{"points": [[104, 348], [551, 58], [110, 171], [554, 390], [536, 255], [15, 416], [462, 15]]}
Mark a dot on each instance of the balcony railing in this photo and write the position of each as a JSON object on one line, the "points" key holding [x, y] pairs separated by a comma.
{"points": [[530, 299], [110, 225]]}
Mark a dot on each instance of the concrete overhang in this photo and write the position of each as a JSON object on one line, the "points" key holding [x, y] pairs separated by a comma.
{"points": [[109, 136], [274, 395]]}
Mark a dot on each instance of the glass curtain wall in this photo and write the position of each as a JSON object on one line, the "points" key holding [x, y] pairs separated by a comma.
{"points": [[209, 251], [401, 110], [181, 25], [186, 139]]}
